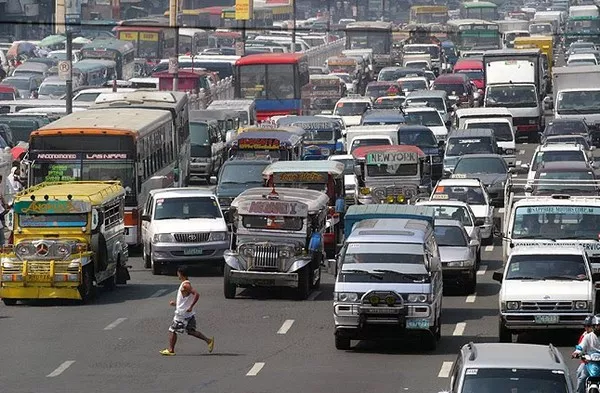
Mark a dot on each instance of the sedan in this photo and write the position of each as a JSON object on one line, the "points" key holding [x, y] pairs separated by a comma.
{"points": [[491, 169], [458, 254]]}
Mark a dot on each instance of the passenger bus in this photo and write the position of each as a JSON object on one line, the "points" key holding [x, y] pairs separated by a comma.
{"points": [[150, 43], [372, 35], [121, 52], [428, 14], [262, 17], [484, 10], [192, 40], [279, 82], [134, 146], [472, 34], [203, 18]]}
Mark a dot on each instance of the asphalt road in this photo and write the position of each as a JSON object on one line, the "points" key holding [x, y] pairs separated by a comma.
{"points": [[265, 341]]}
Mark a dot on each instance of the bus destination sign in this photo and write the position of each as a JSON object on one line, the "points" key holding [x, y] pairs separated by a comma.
{"points": [[300, 177], [274, 208], [258, 144]]}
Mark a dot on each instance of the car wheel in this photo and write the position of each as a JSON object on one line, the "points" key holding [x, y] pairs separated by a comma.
{"points": [[304, 283], [343, 343], [146, 255], [471, 285], [9, 302], [229, 289], [155, 267], [504, 334]]}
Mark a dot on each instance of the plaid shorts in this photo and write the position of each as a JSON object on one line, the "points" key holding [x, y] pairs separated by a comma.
{"points": [[186, 326]]}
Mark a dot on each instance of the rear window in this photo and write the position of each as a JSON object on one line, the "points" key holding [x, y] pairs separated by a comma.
{"points": [[502, 131], [451, 89]]}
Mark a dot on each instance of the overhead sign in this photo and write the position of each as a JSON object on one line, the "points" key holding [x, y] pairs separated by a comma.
{"points": [[300, 177], [244, 9], [258, 144], [392, 158], [273, 208], [64, 70], [587, 245]]}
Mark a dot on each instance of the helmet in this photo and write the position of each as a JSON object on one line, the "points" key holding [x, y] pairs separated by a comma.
{"points": [[596, 320], [588, 320]]}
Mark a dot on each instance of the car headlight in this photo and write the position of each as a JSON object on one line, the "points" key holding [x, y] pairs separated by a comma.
{"points": [[285, 253], [8, 265], [217, 236], [513, 305], [325, 151], [63, 250], [509, 151], [365, 190], [248, 252], [581, 305], [417, 298], [163, 238], [436, 159], [23, 250], [346, 297]]}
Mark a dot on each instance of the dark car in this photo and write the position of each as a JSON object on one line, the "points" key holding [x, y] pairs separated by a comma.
{"points": [[382, 89], [571, 139], [424, 139], [236, 176], [564, 177], [490, 169], [566, 127]]}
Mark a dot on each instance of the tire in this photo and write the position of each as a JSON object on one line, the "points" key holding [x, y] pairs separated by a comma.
{"points": [[111, 282], [342, 343], [229, 289], [156, 271], [438, 333], [478, 258], [146, 256], [9, 302], [87, 290], [471, 285], [504, 334], [304, 283]]}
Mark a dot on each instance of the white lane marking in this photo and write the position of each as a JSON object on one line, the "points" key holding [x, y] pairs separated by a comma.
{"points": [[159, 293], [445, 370], [313, 296], [471, 298], [489, 248], [518, 163], [501, 210], [255, 369], [459, 329], [525, 143], [117, 322], [286, 326], [482, 270], [521, 152], [61, 369]]}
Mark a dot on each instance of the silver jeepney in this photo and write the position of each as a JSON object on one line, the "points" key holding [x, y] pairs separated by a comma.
{"points": [[277, 240]]}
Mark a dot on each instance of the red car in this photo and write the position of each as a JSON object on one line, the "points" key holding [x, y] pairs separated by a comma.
{"points": [[473, 69]]}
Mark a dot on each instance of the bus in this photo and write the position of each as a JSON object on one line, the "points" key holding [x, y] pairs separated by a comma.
{"points": [[484, 10], [473, 34], [202, 18], [121, 52], [372, 35], [279, 82], [428, 14], [192, 41], [134, 146], [262, 17], [150, 42]]}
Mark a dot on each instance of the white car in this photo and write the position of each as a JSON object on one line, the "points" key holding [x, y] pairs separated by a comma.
{"points": [[504, 133], [545, 287], [351, 109], [555, 152], [350, 83], [582, 59], [412, 83], [349, 177], [429, 117], [183, 226], [472, 192]]}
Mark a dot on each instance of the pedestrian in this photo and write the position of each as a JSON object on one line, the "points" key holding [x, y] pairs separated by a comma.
{"points": [[13, 184], [3, 211], [184, 320]]}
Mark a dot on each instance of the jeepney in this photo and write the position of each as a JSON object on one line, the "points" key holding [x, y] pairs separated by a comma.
{"points": [[323, 137], [272, 145], [67, 237], [325, 91], [277, 240], [391, 174], [325, 176]]}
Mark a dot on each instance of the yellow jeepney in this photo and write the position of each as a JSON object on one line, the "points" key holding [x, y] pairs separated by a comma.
{"points": [[544, 43], [68, 237]]}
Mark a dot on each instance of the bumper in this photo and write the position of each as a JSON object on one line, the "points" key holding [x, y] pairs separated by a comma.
{"points": [[19, 291], [457, 275], [527, 321], [263, 279], [164, 253], [200, 169]]}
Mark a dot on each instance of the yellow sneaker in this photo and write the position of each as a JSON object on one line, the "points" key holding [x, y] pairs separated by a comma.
{"points": [[211, 344], [166, 352]]}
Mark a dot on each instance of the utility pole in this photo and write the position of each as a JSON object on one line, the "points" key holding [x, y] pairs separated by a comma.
{"points": [[174, 60], [69, 81], [294, 27]]}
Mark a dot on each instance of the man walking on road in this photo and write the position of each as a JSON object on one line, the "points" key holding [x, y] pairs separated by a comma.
{"points": [[184, 319]]}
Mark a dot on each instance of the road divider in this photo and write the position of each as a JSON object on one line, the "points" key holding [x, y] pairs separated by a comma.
{"points": [[255, 369], [61, 369], [116, 323], [286, 326], [445, 370]]}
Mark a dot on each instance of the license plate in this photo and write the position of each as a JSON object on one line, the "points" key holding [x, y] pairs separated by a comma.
{"points": [[417, 324], [546, 319], [38, 277], [192, 251], [380, 310]]}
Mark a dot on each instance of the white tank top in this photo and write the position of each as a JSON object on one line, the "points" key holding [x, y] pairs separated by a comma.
{"points": [[183, 303]]}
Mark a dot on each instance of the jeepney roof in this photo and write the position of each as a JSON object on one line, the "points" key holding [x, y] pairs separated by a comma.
{"points": [[459, 183], [389, 230], [333, 168], [291, 120], [94, 192], [426, 94], [361, 152], [282, 136], [315, 200], [477, 112], [357, 213], [544, 250], [326, 76], [289, 129], [354, 99]]}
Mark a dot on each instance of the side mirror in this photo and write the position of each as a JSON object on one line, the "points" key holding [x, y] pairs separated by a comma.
{"points": [[479, 222], [595, 276], [212, 180], [498, 276], [473, 243], [357, 170], [145, 217]]}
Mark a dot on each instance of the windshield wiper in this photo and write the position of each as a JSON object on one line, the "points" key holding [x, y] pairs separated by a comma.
{"points": [[405, 275], [523, 278], [359, 271], [566, 278]]}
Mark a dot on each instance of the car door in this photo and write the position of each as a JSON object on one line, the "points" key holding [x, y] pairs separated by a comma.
{"points": [[146, 224]]}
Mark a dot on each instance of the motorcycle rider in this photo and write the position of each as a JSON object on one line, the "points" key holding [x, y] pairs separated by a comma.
{"points": [[589, 344]]}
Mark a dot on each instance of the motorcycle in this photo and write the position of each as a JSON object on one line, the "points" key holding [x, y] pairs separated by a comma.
{"points": [[592, 368]]}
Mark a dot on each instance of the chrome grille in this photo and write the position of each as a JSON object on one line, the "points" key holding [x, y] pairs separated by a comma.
{"points": [[380, 193], [265, 257], [546, 306], [191, 237]]}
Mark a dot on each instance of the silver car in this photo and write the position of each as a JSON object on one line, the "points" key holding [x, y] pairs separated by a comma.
{"points": [[458, 254]]}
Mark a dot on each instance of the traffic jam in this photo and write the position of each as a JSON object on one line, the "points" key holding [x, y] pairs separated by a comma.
{"points": [[424, 189]]}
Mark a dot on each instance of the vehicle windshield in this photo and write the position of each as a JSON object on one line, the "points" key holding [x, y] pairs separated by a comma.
{"points": [[542, 267], [473, 195], [502, 130], [458, 213], [387, 170], [412, 85], [183, 208], [566, 128], [437, 103], [511, 96], [418, 64], [52, 220], [381, 90], [581, 62], [556, 222], [389, 103], [86, 97], [379, 42], [382, 253], [450, 236], [432, 50], [472, 74], [17, 83], [568, 182], [242, 174], [200, 140], [359, 142], [426, 118], [579, 140], [348, 165], [461, 146], [53, 90], [498, 380], [557, 155], [468, 165], [450, 89], [578, 102], [272, 81], [351, 108], [273, 223], [421, 138]]}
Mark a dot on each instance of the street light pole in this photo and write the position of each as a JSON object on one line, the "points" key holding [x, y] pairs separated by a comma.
{"points": [[173, 62], [69, 81], [294, 26]]}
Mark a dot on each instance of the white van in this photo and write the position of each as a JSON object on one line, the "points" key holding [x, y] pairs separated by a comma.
{"points": [[504, 133]]}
